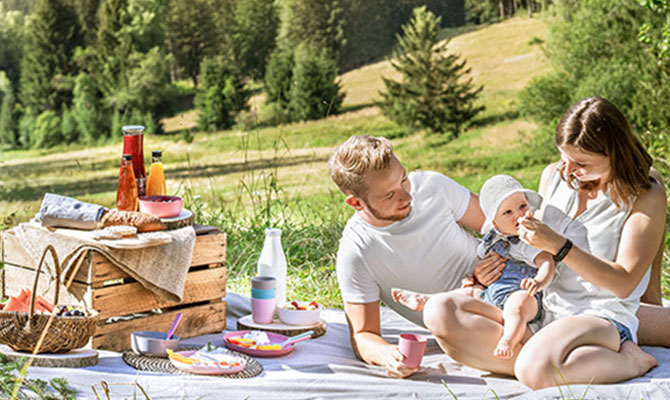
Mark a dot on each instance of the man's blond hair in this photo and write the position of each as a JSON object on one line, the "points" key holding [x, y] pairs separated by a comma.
{"points": [[355, 158]]}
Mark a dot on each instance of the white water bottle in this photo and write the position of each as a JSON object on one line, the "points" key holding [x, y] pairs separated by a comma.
{"points": [[272, 261]]}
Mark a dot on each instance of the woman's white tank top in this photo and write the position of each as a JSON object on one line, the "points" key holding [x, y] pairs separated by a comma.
{"points": [[600, 227]]}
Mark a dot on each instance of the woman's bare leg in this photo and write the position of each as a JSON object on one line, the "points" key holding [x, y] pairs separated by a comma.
{"points": [[468, 329], [518, 310], [581, 349]]}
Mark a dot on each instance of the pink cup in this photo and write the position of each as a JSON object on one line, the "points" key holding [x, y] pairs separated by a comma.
{"points": [[262, 310], [412, 346]]}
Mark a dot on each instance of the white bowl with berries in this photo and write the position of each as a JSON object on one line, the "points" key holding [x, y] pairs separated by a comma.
{"points": [[300, 312]]}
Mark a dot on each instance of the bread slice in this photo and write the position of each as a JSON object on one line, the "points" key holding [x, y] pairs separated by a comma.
{"points": [[142, 221]]}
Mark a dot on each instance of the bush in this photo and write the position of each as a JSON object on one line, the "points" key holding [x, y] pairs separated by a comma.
{"points": [[8, 118], [545, 98], [68, 126], [87, 109], [315, 93], [47, 130]]}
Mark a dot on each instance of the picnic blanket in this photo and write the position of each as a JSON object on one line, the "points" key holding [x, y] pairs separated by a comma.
{"points": [[326, 368], [161, 269]]}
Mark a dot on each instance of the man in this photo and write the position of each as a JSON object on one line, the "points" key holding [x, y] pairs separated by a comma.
{"points": [[407, 232]]}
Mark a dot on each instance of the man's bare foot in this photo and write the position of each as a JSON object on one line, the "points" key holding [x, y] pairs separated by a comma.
{"points": [[412, 300], [641, 361], [504, 349]]}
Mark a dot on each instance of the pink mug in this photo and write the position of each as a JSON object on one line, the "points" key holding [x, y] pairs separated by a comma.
{"points": [[412, 347], [262, 310]]}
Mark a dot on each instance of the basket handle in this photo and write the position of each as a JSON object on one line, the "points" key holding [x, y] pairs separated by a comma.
{"points": [[52, 251]]}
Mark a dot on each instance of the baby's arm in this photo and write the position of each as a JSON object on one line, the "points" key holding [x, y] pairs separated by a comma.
{"points": [[545, 273]]}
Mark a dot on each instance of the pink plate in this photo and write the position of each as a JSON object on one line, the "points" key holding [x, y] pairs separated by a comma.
{"points": [[206, 369], [274, 339]]}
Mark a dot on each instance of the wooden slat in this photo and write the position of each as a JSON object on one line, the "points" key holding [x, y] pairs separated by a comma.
{"points": [[208, 249], [131, 298], [198, 320], [17, 278]]}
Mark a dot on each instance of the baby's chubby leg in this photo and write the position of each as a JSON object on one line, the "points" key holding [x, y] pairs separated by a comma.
{"points": [[519, 308]]}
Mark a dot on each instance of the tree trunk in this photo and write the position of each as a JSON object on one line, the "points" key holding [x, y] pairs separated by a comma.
{"points": [[513, 7], [529, 4], [501, 5]]}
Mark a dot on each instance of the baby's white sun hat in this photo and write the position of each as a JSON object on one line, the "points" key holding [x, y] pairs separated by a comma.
{"points": [[496, 189]]}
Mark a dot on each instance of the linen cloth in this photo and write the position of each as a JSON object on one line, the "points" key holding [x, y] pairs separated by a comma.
{"points": [[161, 269], [66, 212], [326, 368]]}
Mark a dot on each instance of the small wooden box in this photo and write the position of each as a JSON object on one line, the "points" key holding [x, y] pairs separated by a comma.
{"points": [[118, 298]]}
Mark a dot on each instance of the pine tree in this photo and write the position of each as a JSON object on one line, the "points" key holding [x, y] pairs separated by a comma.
{"points": [[220, 96], [190, 33], [52, 36], [319, 23], [435, 92], [278, 77], [256, 24], [315, 93]]}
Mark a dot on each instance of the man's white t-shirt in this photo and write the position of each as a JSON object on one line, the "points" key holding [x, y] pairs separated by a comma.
{"points": [[426, 252]]}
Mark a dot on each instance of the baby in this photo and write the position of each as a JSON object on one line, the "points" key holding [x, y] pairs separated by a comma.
{"points": [[504, 202]]}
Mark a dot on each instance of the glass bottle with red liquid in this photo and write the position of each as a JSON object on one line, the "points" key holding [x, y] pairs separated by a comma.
{"points": [[126, 193], [133, 144]]}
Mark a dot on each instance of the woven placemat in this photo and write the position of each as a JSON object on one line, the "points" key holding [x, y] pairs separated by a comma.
{"points": [[163, 364]]}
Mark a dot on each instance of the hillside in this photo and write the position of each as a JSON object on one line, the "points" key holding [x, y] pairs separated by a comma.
{"points": [[212, 165]]}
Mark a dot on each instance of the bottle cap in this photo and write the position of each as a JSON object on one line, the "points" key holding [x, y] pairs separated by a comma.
{"points": [[272, 232], [127, 157], [132, 129], [157, 153]]}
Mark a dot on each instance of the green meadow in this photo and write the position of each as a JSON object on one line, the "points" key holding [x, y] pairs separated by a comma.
{"points": [[246, 179]]}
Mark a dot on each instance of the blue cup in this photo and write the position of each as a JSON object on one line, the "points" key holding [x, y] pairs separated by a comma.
{"points": [[263, 294]]}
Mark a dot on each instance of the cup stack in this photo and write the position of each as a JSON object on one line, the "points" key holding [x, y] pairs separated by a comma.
{"points": [[263, 298]]}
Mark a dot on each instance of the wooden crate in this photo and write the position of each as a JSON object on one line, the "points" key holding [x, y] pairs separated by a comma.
{"points": [[113, 293]]}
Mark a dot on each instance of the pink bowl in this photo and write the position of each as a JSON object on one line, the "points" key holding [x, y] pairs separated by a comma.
{"points": [[161, 206]]}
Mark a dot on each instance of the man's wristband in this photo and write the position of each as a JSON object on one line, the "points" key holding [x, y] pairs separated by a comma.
{"points": [[563, 251]]}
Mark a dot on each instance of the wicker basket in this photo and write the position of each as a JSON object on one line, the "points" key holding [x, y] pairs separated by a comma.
{"points": [[22, 331]]}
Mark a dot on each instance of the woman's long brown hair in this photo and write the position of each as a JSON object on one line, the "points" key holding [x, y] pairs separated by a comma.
{"points": [[595, 125]]}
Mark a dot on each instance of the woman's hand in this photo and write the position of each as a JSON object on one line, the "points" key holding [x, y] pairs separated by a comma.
{"points": [[489, 268], [539, 235], [394, 366]]}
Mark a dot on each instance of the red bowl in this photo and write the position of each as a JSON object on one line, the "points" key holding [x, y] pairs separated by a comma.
{"points": [[161, 206]]}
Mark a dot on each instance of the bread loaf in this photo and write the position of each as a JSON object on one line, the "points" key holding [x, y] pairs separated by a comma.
{"points": [[142, 221]]}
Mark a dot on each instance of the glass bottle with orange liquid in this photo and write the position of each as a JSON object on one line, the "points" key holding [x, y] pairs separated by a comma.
{"points": [[156, 181], [126, 193]]}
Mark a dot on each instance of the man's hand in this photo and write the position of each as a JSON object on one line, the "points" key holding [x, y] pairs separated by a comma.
{"points": [[489, 268], [393, 364]]}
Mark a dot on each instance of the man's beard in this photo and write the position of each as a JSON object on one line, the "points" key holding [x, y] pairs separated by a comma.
{"points": [[388, 217]]}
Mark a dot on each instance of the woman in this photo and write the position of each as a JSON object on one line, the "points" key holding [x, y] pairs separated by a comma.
{"points": [[605, 185]]}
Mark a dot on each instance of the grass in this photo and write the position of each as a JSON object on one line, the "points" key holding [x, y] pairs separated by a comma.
{"points": [[245, 180]]}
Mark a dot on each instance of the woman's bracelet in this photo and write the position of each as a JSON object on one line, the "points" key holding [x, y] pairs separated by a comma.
{"points": [[563, 251]]}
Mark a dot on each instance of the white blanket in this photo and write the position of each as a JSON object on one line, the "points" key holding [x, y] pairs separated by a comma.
{"points": [[326, 368]]}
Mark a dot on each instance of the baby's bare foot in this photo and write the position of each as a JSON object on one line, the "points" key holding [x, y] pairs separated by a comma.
{"points": [[412, 300], [641, 361], [503, 349]]}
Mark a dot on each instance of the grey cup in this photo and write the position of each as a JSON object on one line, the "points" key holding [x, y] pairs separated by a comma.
{"points": [[263, 282]]}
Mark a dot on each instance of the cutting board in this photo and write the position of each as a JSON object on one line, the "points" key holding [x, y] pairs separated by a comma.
{"points": [[139, 241], [74, 359], [247, 323]]}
